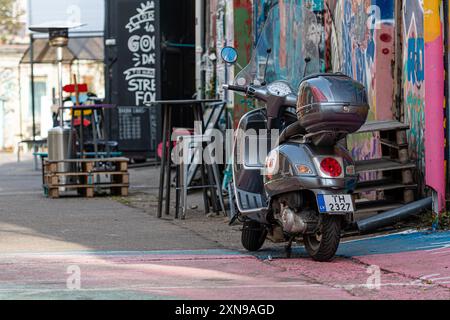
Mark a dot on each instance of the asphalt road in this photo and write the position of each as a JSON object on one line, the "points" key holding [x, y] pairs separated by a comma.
{"points": [[104, 248]]}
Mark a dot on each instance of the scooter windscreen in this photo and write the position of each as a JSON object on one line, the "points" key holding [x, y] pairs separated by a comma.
{"points": [[287, 49]]}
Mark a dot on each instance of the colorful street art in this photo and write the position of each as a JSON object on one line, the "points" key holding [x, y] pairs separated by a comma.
{"points": [[363, 48], [423, 91], [243, 42], [315, 30], [357, 37], [292, 34], [413, 80], [360, 37]]}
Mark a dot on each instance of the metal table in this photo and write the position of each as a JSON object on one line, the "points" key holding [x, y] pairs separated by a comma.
{"points": [[165, 173], [36, 144]]}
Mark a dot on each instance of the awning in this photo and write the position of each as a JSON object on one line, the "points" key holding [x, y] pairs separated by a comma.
{"points": [[79, 48]]}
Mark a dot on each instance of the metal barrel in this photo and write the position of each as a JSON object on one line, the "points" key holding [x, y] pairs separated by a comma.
{"points": [[58, 148]]}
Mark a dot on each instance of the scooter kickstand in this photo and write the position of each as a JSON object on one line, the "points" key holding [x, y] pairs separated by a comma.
{"points": [[289, 248]]}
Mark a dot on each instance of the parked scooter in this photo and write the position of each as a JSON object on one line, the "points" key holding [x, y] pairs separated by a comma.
{"points": [[303, 188]]}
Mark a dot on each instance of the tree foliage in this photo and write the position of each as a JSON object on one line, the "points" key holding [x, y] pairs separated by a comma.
{"points": [[10, 24]]}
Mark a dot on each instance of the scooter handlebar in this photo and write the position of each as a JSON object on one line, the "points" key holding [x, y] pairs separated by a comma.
{"points": [[232, 87], [260, 93], [291, 100]]}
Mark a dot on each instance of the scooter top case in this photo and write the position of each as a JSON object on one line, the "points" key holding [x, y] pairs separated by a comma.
{"points": [[331, 106]]}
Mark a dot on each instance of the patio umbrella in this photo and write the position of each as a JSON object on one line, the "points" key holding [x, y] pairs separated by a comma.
{"points": [[79, 48]]}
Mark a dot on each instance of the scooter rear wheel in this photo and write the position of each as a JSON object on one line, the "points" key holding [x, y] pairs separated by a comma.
{"points": [[253, 236], [322, 245]]}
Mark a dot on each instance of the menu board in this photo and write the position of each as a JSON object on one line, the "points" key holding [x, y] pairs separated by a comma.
{"points": [[139, 57], [135, 75]]}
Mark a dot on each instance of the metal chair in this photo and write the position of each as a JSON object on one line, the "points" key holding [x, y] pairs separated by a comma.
{"points": [[190, 152]]}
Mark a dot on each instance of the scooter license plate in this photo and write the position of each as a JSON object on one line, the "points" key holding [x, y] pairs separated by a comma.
{"points": [[335, 204]]}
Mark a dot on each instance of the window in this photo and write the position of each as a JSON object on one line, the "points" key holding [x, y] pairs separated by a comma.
{"points": [[40, 90]]}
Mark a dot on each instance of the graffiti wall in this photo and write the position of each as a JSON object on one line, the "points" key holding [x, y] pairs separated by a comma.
{"points": [[423, 91], [243, 42], [360, 42], [357, 37], [414, 79], [315, 25]]}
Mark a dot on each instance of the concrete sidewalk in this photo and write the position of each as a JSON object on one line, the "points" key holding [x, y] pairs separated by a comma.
{"points": [[118, 249], [29, 222]]}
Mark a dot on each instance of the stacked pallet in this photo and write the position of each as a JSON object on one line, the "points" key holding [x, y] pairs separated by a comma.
{"points": [[395, 184], [86, 176]]}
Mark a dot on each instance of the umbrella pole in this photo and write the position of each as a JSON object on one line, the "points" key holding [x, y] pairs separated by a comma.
{"points": [[33, 102], [59, 57]]}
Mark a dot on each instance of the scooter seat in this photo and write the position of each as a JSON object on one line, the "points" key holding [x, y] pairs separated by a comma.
{"points": [[291, 131]]}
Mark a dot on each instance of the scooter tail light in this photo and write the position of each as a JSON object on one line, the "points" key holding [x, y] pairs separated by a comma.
{"points": [[331, 167]]}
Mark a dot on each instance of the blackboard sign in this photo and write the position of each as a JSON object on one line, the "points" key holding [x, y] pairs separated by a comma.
{"points": [[138, 51], [133, 54]]}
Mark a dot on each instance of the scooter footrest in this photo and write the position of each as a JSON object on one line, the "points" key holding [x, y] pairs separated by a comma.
{"points": [[250, 201]]}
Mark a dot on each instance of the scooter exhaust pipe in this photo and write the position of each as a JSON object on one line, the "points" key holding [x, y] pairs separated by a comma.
{"points": [[293, 223]]}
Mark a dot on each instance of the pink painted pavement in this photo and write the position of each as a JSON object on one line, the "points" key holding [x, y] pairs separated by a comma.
{"points": [[216, 276]]}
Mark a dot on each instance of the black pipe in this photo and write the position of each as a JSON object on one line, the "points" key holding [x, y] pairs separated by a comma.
{"points": [[391, 217], [447, 83]]}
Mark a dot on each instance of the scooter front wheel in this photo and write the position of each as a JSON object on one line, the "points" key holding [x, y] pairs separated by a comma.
{"points": [[253, 236], [322, 245]]}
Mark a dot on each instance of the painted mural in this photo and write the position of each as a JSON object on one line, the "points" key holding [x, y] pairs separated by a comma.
{"points": [[360, 42], [414, 80], [243, 42], [357, 37], [292, 35], [362, 38], [316, 25]]}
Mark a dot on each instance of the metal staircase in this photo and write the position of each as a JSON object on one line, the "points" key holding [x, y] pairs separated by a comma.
{"points": [[395, 184]]}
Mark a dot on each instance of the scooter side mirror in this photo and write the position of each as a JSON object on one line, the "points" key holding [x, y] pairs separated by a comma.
{"points": [[229, 55]]}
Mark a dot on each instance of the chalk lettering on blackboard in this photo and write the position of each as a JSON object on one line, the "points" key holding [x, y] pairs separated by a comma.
{"points": [[141, 78]]}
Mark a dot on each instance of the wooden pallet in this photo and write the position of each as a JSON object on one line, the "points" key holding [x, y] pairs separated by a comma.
{"points": [[87, 177], [396, 187], [87, 165]]}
